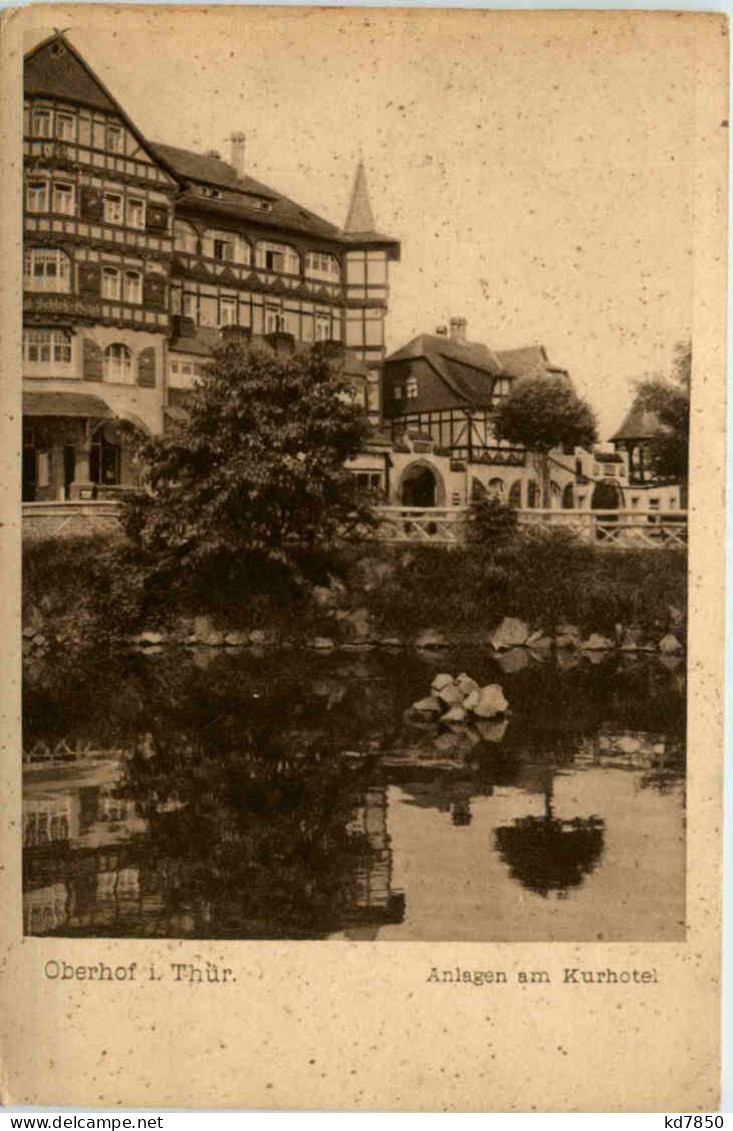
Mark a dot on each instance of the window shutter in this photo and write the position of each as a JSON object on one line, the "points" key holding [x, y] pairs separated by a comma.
{"points": [[90, 278], [92, 204], [93, 361], [154, 288], [146, 368], [156, 217]]}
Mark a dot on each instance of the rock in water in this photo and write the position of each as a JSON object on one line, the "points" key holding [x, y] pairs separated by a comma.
{"points": [[455, 715], [441, 680], [465, 684], [431, 705], [669, 644], [451, 694], [491, 702], [596, 643], [511, 633]]}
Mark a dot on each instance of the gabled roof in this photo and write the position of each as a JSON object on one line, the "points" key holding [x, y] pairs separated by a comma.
{"points": [[638, 424], [239, 194], [469, 368], [55, 69], [474, 354]]}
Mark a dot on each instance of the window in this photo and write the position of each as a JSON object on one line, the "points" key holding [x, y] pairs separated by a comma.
{"points": [[63, 198], [36, 196], [114, 139], [223, 249], [411, 388], [132, 287], [46, 269], [278, 257], [502, 386], [274, 321], [46, 347], [398, 392], [110, 282], [634, 501], [65, 126], [227, 311], [118, 364], [654, 504], [113, 208], [135, 212], [533, 495], [321, 266], [41, 123], [191, 305], [609, 470], [323, 327]]}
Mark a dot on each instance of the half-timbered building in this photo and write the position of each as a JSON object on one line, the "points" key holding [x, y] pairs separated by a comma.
{"points": [[140, 257]]}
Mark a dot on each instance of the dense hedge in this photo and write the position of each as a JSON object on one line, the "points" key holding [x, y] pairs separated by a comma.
{"points": [[96, 588]]}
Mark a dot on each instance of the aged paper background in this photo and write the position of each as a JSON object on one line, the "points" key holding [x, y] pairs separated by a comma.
{"points": [[354, 1025]]}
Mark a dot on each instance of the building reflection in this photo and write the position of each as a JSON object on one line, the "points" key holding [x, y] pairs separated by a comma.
{"points": [[94, 864]]}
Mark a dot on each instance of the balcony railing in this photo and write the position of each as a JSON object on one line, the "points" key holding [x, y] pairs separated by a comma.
{"points": [[620, 529]]}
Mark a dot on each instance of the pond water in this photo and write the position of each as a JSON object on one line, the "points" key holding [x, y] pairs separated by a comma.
{"points": [[292, 795]]}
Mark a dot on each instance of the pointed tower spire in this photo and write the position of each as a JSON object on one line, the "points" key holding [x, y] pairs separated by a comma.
{"points": [[360, 218]]}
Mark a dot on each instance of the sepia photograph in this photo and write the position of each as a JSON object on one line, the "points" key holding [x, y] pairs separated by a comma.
{"points": [[356, 384]]}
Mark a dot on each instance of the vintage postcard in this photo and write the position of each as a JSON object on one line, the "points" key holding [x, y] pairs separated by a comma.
{"points": [[363, 498]]}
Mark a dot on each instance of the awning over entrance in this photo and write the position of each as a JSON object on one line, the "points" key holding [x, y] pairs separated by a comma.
{"points": [[65, 404]]}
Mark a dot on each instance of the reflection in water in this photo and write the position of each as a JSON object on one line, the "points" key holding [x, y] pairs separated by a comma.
{"points": [[286, 798]]}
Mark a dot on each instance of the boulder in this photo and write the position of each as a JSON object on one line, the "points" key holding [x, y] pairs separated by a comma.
{"points": [[676, 617], [149, 638], [627, 745], [511, 633], [596, 643], [322, 643], [431, 705], [258, 636], [465, 684], [627, 642], [29, 631], [357, 624], [491, 702], [455, 715], [669, 644], [540, 645], [515, 660], [492, 731], [236, 639], [472, 699], [450, 694], [430, 639], [391, 642], [567, 636], [441, 680]]}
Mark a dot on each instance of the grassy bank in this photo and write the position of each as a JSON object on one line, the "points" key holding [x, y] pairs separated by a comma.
{"points": [[90, 590]]}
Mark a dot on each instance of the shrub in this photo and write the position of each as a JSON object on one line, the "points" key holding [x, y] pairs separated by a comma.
{"points": [[491, 523]]}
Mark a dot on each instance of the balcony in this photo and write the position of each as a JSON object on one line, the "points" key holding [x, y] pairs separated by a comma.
{"points": [[72, 306]]}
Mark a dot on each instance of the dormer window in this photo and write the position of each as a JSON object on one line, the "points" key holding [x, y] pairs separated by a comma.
{"points": [[411, 388], [210, 191], [278, 257]]}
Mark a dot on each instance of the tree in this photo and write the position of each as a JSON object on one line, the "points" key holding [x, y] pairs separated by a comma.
{"points": [[542, 413], [668, 399], [256, 470]]}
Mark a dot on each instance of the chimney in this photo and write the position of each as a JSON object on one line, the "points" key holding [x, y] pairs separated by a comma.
{"points": [[458, 331], [238, 142]]}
